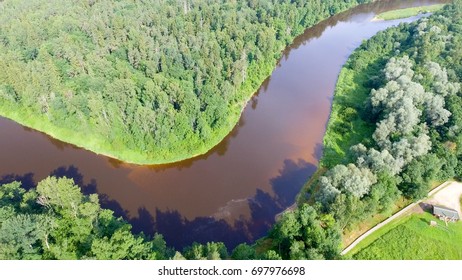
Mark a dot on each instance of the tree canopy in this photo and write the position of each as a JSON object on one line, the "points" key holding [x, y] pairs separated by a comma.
{"points": [[400, 94], [56, 221]]}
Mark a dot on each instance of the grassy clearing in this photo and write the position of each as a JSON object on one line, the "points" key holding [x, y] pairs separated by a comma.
{"points": [[350, 235], [411, 237], [346, 128], [408, 12]]}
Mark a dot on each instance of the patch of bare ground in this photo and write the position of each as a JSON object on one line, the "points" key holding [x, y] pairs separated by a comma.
{"points": [[448, 197]]}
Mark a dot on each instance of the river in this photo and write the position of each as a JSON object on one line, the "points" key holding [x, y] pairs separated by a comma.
{"points": [[232, 193]]}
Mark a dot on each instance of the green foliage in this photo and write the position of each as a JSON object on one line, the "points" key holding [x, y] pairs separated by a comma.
{"points": [[20, 237], [348, 179], [243, 252], [418, 175], [122, 245], [304, 234], [384, 193], [396, 113], [56, 221], [209, 251], [145, 82]]}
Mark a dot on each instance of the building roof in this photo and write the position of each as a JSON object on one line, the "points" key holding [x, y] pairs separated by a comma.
{"points": [[445, 212]]}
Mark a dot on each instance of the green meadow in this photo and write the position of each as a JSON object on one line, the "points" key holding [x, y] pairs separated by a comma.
{"points": [[409, 12], [412, 238]]}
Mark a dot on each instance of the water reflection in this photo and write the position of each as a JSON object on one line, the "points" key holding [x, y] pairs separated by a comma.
{"points": [[26, 180]]}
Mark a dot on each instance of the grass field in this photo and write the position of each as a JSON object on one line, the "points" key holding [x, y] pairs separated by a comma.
{"points": [[408, 12], [411, 237]]}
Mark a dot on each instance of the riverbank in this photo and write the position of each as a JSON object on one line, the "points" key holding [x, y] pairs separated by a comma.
{"points": [[93, 142], [117, 134], [355, 116], [408, 12]]}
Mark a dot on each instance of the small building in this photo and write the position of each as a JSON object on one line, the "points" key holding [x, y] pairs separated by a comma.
{"points": [[446, 214]]}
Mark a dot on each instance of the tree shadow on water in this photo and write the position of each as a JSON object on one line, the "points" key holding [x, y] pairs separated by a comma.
{"points": [[73, 172], [26, 180], [263, 209], [176, 229], [179, 231], [288, 184], [318, 150], [144, 222]]}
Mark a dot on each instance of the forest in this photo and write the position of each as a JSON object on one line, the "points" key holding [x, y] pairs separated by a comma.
{"points": [[395, 131], [56, 221], [143, 81], [395, 128]]}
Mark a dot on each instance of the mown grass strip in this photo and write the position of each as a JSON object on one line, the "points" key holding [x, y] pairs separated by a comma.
{"points": [[408, 12]]}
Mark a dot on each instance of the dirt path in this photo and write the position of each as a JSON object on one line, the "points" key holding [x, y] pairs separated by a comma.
{"points": [[447, 196]]}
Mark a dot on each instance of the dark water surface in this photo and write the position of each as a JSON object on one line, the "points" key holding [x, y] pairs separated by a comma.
{"points": [[232, 193]]}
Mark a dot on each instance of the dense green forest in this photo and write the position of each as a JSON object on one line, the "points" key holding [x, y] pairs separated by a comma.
{"points": [[395, 128], [143, 81], [55, 221]]}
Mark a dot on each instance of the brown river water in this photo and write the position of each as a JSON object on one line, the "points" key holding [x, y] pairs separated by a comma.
{"points": [[232, 193]]}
